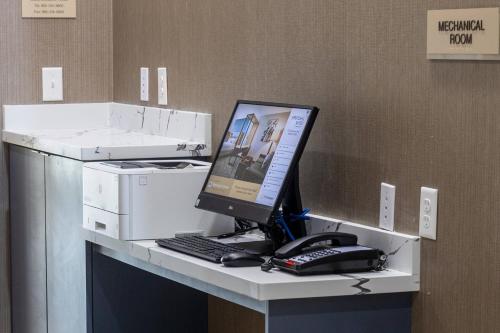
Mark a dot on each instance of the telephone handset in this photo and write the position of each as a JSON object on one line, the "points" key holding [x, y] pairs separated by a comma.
{"points": [[342, 255], [295, 247]]}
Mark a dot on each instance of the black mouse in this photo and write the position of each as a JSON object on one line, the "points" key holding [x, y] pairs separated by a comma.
{"points": [[241, 259]]}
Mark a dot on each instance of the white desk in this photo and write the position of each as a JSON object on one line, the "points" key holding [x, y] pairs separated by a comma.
{"points": [[274, 292]]}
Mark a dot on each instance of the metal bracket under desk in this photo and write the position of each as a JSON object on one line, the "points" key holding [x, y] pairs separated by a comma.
{"points": [[259, 306]]}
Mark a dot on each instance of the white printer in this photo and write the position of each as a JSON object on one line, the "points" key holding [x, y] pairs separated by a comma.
{"points": [[133, 200]]}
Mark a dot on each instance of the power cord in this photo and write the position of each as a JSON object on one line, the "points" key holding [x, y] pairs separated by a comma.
{"points": [[241, 227], [235, 233], [382, 261]]}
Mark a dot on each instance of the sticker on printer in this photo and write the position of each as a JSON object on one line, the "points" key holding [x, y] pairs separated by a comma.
{"points": [[143, 180]]}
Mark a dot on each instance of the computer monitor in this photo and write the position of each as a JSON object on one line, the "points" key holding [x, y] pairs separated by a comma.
{"points": [[256, 162]]}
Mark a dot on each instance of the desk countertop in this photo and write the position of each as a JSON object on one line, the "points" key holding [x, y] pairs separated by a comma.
{"points": [[262, 286]]}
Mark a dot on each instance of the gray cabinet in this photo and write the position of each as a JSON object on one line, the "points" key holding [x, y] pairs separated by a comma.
{"points": [[48, 250], [65, 246], [27, 209]]}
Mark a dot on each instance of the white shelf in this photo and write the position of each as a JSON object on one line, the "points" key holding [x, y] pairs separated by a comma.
{"points": [[104, 131]]}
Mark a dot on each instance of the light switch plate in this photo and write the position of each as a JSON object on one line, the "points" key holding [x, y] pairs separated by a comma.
{"points": [[52, 84], [387, 202], [162, 86], [428, 212], [144, 84]]}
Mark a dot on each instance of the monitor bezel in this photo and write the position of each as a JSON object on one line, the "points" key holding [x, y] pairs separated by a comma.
{"points": [[247, 210]]}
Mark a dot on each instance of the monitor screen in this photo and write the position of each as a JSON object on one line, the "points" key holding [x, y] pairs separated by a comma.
{"points": [[259, 148]]}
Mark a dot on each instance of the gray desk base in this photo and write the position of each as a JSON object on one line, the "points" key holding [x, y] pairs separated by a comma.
{"points": [[384, 313]]}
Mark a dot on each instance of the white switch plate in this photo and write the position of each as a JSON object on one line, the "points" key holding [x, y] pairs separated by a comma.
{"points": [[144, 84], [387, 202], [162, 86], [428, 212], [52, 84]]}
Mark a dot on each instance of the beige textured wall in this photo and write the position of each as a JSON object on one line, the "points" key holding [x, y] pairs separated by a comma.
{"points": [[82, 46], [387, 114]]}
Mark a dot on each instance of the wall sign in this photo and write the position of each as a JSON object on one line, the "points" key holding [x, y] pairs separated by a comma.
{"points": [[463, 34], [49, 8]]}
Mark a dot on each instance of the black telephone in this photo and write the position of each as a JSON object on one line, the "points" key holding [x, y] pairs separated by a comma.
{"points": [[342, 255]]}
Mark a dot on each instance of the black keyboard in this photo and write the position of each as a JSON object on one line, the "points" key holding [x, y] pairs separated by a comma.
{"points": [[199, 246]]}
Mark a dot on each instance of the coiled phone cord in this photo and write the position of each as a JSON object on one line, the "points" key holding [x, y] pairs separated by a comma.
{"points": [[268, 265]]}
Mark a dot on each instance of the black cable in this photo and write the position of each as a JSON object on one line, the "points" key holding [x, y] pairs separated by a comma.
{"points": [[242, 224], [268, 265], [239, 232]]}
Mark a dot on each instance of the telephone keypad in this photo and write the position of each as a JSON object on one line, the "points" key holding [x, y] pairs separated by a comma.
{"points": [[306, 257]]}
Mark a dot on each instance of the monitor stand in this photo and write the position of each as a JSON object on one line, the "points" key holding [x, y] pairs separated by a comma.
{"points": [[261, 248], [275, 235]]}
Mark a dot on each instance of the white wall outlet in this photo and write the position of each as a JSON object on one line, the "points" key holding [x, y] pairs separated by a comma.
{"points": [[52, 84], [387, 202], [144, 84], [162, 86], [428, 212]]}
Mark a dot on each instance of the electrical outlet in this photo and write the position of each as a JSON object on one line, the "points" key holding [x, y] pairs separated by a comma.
{"points": [[162, 86], [387, 202], [52, 84], [428, 212], [144, 84]]}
